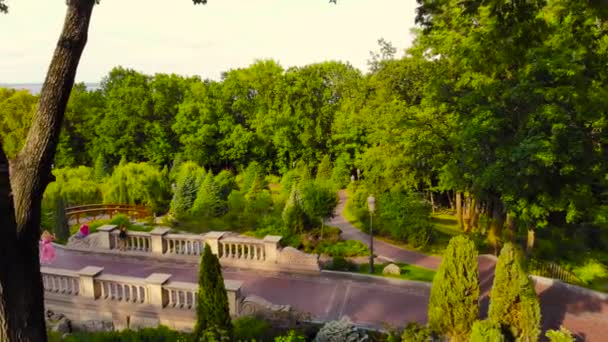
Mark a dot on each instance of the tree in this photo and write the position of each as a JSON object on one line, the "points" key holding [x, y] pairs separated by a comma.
{"points": [[61, 228], [293, 215], [513, 301], [207, 203], [561, 335], [486, 331], [212, 310], [101, 167], [184, 196], [453, 304], [319, 201], [324, 170]]}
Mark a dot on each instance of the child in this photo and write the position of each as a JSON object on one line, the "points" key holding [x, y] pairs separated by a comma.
{"points": [[122, 238], [47, 251], [83, 232]]}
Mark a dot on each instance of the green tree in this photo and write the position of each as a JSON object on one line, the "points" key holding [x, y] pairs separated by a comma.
{"points": [[319, 201], [293, 214], [184, 195], [486, 331], [212, 310], [208, 202], [101, 167], [561, 335], [17, 108], [324, 170], [453, 305], [61, 228], [513, 301]]}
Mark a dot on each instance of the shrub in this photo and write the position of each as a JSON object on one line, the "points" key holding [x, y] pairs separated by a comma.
{"points": [[486, 331], [160, 334], [292, 336], [340, 331], [561, 335], [405, 217], [415, 332], [591, 271], [453, 305], [120, 219], [349, 248], [342, 264], [514, 304], [251, 328]]}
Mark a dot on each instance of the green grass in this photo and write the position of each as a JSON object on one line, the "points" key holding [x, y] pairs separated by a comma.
{"points": [[408, 272], [446, 223], [437, 247]]}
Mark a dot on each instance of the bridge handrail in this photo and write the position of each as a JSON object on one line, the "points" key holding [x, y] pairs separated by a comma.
{"points": [[110, 205]]}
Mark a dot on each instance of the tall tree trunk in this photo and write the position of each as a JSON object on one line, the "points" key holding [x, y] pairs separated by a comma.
{"points": [[450, 200], [459, 208], [530, 240], [497, 221], [23, 182], [474, 214], [511, 227], [432, 203]]}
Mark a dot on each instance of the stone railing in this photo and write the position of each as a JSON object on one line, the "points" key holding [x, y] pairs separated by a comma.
{"points": [[233, 250], [88, 295]]}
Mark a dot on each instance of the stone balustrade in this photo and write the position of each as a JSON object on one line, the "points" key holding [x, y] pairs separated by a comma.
{"points": [[88, 294], [232, 249]]}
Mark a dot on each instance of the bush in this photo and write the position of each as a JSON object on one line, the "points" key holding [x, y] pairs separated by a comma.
{"points": [[292, 336], [591, 271], [249, 328], [415, 332], [160, 334], [561, 335], [486, 331], [342, 264], [121, 219], [349, 248], [340, 331]]}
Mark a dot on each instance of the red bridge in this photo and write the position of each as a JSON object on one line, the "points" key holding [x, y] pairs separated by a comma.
{"points": [[95, 210]]}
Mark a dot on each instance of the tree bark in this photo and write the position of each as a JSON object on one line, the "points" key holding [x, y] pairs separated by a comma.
{"points": [[432, 203], [474, 214], [530, 240], [496, 224], [459, 208], [450, 200], [23, 182]]}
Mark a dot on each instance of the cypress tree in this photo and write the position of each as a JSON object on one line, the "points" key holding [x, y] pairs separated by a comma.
{"points": [[514, 304], [486, 331], [324, 171], [453, 305], [212, 310], [293, 213], [253, 171], [61, 227]]}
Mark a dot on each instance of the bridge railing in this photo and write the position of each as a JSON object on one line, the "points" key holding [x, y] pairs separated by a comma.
{"points": [[110, 209], [232, 250]]}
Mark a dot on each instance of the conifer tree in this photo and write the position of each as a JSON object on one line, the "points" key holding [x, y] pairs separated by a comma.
{"points": [[175, 166], [253, 171], [61, 227], [453, 305], [324, 171], [184, 195], [513, 301], [293, 213], [101, 169], [207, 203], [212, 310]]}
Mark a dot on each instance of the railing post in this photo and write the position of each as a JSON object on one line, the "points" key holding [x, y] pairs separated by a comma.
{"points": [[271, 247], [156, 295], [213, 240], [106, 238], [233, 291], [157, 236], [87, 286]]}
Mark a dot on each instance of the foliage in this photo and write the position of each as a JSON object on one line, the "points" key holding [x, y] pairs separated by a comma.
{"points": [[207, 202], [160, 334], [409, 272], [561, 335], [324, 170], [101, 169], [319, 200], [17, 108], [250, 328], [292, 336], [184, 196], [338, 331], [293, 215], [591, 271], [414, 332], [76, 185], [61, 227], [405, 217], [212, 311], [486, 331], [339, 263], [514, 304], [453, 304], [349, 248]]}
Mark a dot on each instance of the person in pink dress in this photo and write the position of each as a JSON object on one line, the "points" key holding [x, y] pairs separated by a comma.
{"points": [[83, 232], [47, 251]]}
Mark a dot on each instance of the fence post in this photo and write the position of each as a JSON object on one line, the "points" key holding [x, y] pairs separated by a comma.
{"points": [[271, 247], [157, 240], [106, 236], [156, 294], [87, 286], [233, 290], [213, 240]]}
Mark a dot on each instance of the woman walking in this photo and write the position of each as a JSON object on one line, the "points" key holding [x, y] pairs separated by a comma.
{"points": [[47, 251]]}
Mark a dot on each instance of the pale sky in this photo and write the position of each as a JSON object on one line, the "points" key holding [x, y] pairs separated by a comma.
{"points": [[154, 36]]}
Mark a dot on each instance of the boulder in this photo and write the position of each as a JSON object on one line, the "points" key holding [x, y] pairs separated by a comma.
{"points": [[391, 269]]}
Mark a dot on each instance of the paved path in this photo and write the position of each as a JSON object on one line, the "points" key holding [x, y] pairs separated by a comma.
{"points": [[584, 315]]}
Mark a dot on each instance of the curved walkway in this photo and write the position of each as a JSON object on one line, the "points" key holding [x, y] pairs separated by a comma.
{"points": [[585, 315]]}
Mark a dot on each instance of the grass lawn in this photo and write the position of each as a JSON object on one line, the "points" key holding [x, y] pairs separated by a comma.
{"points": [[445, 225], [408, 272]]}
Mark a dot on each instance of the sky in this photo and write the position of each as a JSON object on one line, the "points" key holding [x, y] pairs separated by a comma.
{"points": [[154, 36]]}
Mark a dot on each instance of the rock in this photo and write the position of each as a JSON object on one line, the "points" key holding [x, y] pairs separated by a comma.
{"points": [[63, 326], [391, 269], [95, 326]]}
